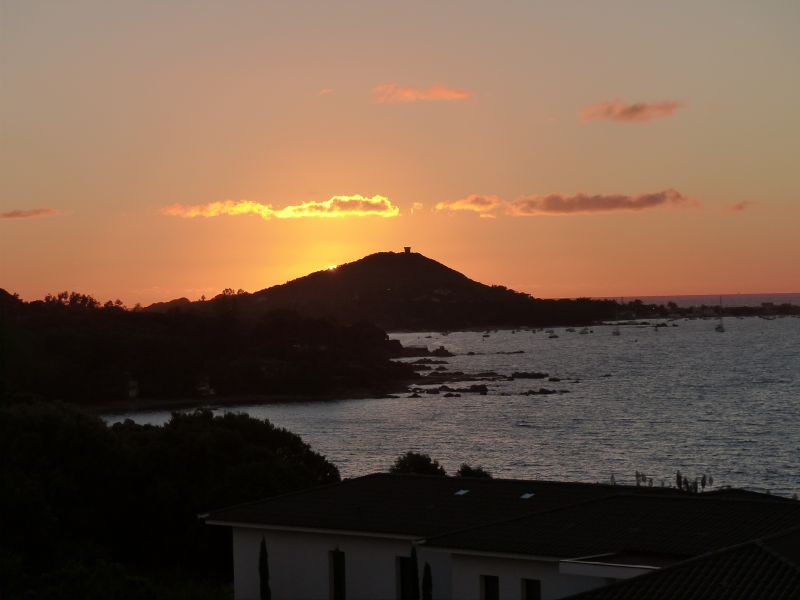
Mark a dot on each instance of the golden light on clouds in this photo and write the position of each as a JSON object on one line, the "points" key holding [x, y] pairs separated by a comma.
{"points": [[335, 207], [477, 203], [390, 93]]}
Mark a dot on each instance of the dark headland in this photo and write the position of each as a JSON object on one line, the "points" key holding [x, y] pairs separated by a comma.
{"points": [[321, 336], [402, 291]]}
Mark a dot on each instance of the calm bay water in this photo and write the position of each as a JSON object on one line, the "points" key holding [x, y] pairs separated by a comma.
{"points": [[680, 397]]}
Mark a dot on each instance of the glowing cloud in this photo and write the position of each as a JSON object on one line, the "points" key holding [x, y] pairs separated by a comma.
{"points": [[390, 93], [29, 213], [337, 206], [559, 204], [341, 206], [482, 205], [639, 112], [325, 92]]}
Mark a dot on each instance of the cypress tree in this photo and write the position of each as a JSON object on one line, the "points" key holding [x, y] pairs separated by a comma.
{"points": [[263, 572], [414, 579], [427, 583]]}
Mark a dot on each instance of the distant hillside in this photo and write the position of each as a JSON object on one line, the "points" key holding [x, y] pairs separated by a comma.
{"points": [[162, 307], [69, 347], [405, 291], [9, 300]]}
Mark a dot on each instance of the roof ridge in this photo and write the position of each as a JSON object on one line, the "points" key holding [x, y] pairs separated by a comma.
{"points": [[595, 484], [612, 491], [285, 494], [705, 498], [623, 488]]}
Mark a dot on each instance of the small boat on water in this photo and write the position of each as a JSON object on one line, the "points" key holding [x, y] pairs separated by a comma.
{"points": [[720, 328]]}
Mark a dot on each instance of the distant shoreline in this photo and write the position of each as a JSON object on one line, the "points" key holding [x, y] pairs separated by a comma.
{"points": [[109, 409], [136, 405], [728, 300]]}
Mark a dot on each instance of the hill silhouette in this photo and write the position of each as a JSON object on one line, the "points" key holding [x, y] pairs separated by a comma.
{"points": [[398, 290]]}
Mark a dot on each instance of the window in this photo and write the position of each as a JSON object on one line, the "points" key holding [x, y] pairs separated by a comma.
{"points": [[490, 587], [336, 570], [531, 589], [405, 578]]}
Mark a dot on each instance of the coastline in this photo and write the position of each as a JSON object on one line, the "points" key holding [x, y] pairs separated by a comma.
{"points": [[108, 409], [212, 402]]}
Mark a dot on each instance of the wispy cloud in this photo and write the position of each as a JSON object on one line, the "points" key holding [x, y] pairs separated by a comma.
{"points": [[560, 204], [417, 207], [325, 92], [483, 205], [489, 207], [638, 112], [390, 93], [337, 206], [30, 213], [740, 206]]}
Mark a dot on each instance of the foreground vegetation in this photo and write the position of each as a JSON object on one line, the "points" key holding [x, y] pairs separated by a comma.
{"points": [[95, 512]]}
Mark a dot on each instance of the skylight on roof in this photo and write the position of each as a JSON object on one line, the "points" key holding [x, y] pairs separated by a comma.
{"points": [[527, 495], [461, 493]]}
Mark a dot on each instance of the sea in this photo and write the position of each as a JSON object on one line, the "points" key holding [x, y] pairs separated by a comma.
{"points": [[679, 397]]}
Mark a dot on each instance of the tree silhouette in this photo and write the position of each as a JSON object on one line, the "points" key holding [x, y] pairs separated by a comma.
{"points": [[265, 593], [418, 464], [427, 583], [467, 471], [414, 578]]}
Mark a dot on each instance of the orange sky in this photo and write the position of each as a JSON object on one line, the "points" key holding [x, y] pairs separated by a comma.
{"points": [[156, 150]]}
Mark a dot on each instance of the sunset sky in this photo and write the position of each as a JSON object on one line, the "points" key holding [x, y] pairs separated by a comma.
{"points": [[151, 150]]}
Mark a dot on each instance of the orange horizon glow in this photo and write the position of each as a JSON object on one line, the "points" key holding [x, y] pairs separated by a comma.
{"points": [[486, 274]]}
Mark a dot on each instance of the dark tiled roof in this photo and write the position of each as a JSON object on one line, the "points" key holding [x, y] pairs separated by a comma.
{"points": [[755, 570], [668, 525], [414, 505]]}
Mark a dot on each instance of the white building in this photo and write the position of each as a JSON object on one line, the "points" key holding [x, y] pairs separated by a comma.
{"points": [[482, 539]]}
